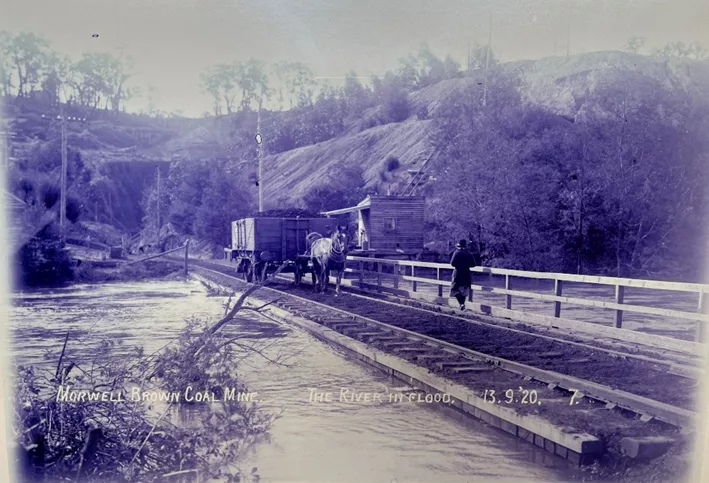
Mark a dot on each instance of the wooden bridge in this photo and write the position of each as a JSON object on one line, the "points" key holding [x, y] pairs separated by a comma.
{"points": [[671, 315]]}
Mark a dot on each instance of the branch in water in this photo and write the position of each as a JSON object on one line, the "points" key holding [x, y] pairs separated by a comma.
{"points": [[240, 302]]}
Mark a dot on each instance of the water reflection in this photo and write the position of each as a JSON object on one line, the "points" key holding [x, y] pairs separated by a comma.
{"points": [[333, 441]]}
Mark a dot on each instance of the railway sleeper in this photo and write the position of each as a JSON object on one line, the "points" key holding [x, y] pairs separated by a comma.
{"points": [[384, 338], [353, 331], [339, 326], [577, 361], [459, 364], [397, 343], [367, 335], [476, 369], [411, 350], [432, 358]]}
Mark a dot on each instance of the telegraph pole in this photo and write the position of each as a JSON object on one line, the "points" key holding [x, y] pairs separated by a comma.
{"points": [[487, 61], [568, 34], [468, 70], [62, 213], [158, 166], [489, 45], [63, 177], [260, 159]]}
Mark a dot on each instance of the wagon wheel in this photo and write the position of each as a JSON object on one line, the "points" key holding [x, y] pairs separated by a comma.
{"points": [[298, 274]]}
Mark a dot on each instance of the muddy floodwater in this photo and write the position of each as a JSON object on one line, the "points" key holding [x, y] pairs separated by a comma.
{"points": [[312, 441]]}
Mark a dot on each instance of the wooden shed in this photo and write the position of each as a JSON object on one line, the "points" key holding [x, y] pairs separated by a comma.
{"points": [[388, 224]]}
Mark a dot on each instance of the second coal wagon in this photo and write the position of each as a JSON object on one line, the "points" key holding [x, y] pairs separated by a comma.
{"points": [[260, 244]]}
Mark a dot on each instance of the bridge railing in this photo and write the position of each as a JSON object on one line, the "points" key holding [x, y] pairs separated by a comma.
{"points": [[425, 280]]}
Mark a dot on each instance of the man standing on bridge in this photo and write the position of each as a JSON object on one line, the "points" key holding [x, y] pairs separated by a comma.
{"points": [[461, 261]]}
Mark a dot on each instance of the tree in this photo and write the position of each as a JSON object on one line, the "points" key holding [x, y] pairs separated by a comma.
{"points": [[357, 96], [395, 98], [635, 44], [482, 56], [647, 153], [238, 84], [697, 51], [211, 86], [29, 54], [153, 99], [495, 165], [346, 189], [101, 77], [5, 63], [254, 84], [433, 69], [408, 74], [681, 50], [294, 86], [225, 200], [43, 261]]}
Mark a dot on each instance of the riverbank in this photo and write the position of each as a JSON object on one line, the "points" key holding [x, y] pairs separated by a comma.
{"points": [[98, 272]]}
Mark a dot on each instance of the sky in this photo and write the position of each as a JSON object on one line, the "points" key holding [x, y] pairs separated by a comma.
{"points": [[173, 41]]}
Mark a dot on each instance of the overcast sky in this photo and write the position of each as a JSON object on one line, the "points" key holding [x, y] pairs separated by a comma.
{"points": [[172, 41]]}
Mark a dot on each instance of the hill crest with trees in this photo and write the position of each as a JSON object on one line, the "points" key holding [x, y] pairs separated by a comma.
{"points": [[593, 163]]}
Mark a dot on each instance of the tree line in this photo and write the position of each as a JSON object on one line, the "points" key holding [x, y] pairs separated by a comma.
{"points": [[618, 190], [682, 50], [29, 67]]}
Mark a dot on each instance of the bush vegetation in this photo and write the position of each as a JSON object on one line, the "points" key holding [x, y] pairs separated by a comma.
{"points": [[619, 191], [131, 440]]}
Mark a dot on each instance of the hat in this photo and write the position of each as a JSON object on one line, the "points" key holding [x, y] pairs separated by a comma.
{"points": [[461, 244]]}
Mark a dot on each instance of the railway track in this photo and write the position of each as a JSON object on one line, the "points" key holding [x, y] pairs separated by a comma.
{"points": [[684, 365], [496, 368]]}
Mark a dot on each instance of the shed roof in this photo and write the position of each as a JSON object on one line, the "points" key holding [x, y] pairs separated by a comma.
{"points": [[362, 205], [367, 203]]}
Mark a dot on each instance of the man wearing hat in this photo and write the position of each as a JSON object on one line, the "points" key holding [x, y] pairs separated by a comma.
{"points": [[462, 260]]}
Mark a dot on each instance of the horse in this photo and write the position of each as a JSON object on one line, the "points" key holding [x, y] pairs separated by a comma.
{"points": [[328, 254]]}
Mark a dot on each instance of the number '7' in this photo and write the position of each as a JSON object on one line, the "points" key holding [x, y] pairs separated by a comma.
{"points": [[576, 391]]}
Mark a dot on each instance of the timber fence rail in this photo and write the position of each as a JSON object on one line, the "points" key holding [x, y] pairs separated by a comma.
{"points": [[415, 279]]}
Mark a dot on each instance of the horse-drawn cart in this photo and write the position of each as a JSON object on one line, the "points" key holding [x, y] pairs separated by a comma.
{"points": [[259, 245]]}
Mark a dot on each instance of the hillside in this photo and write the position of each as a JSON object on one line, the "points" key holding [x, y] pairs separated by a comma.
{"points": [[546, 122], [560, 84]]}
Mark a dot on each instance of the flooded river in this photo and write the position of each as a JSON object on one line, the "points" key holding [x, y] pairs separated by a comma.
{"points": [[311, 441]]}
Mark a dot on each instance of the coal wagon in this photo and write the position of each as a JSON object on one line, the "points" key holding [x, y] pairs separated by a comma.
{"points": [[259, 245]]}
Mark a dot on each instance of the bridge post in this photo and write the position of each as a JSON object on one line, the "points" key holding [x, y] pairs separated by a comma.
{"points": [[413, 274], [187, 249], [508, 297], [438, 278], [702, 308], [395, 271], [619, 293], [557, 292], [379, 276], [361, 274]]}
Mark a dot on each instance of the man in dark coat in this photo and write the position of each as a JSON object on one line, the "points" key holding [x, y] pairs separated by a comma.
{"points": [[462, 260]]}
